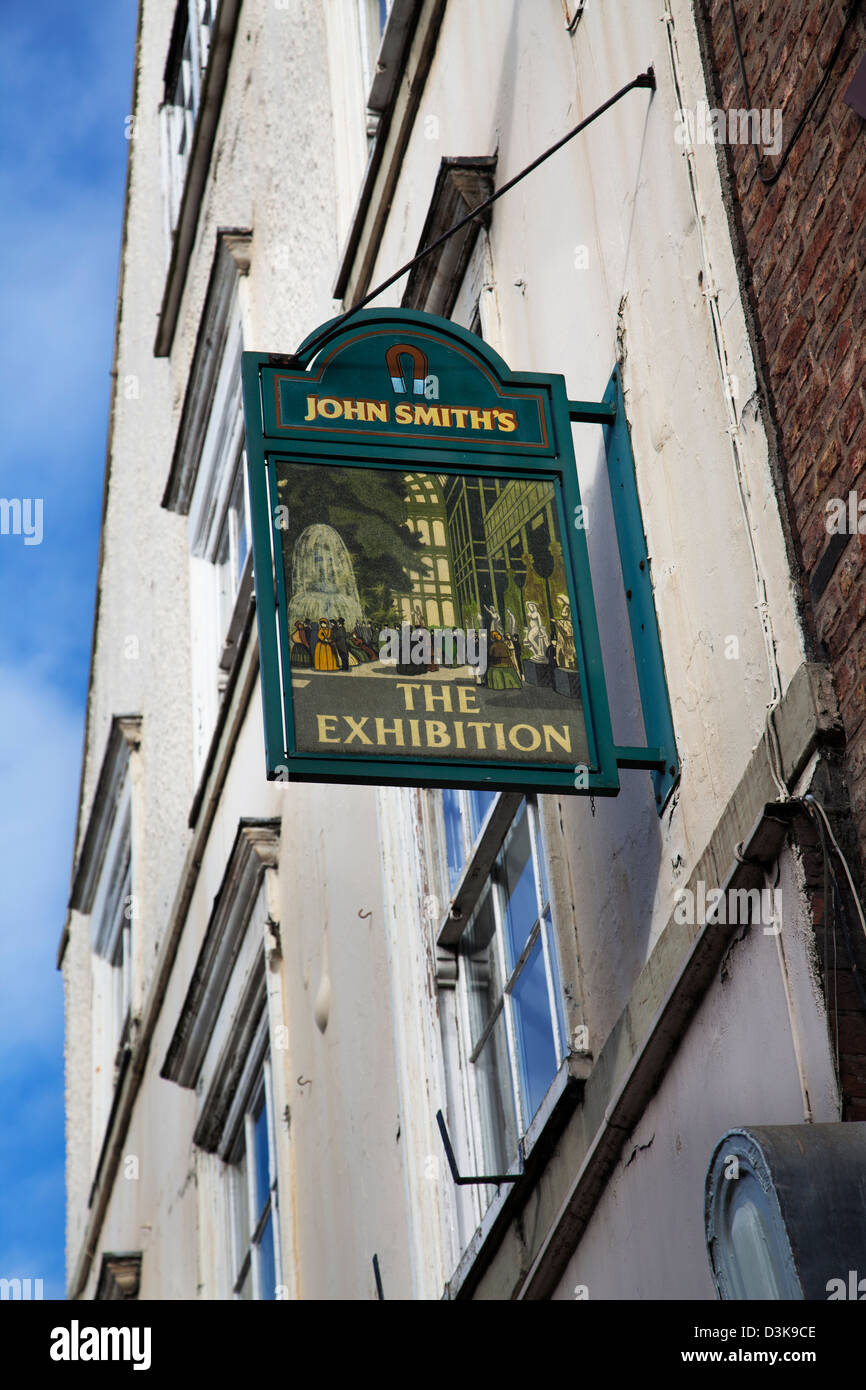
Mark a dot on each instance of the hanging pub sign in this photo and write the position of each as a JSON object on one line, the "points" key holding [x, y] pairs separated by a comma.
{"points": [[423, 592]]}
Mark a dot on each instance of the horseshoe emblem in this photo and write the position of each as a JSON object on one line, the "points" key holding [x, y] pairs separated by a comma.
{"points": [[393, 359]]}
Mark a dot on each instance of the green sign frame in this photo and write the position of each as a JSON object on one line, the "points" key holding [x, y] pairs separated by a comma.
{"points": [[395, 389]]}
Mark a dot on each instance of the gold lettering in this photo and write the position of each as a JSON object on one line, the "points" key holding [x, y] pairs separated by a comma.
{"points": [[506, 420], [330, 407], [403, 413], [564, 740], [479, 732], [354, 410], [396, 729], [430, 698], [427, 415], [407, 687], [466, 696], [377, 410], [499, 733], [415, 733], [437, 734], [311, 408], [460, 418], [459, 740], [481, 419], [357, 727], [326, 721], [534, 736]]}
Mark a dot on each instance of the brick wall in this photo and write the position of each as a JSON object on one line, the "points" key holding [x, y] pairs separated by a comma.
{"points": [[802, 247]]}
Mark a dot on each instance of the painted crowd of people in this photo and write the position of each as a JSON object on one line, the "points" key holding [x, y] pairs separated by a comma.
{"points": [[327, 645]]}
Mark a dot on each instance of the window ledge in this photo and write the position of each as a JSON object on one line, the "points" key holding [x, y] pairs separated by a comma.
{"points": [[563, 1096], [204, 134], [237, 639]]}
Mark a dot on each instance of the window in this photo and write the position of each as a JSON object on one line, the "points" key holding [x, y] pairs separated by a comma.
{"points": [[253, 1197], [184, 71], [230, 1047], [208, 483], [102, 888], [230, 557], [373, 16], [510, 1011], [111, 933]]}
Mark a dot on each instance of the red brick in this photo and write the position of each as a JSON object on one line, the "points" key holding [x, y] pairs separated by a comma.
{"points": [[850, 418], [813, 250], [838, 349], [798, 422], [792, 338]]}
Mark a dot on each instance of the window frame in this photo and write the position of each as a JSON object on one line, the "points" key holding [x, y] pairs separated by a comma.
{"points": [[185, 68], [247, 1260], [482, 856]]}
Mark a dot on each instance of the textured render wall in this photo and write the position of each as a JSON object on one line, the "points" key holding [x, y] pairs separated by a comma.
{"points": [[736, 1066], [139, 662], [804, 259], [342, 1194], [622, 192]]}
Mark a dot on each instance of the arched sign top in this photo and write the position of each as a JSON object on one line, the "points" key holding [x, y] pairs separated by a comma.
{"points": [[402, 321], [397, 377]]}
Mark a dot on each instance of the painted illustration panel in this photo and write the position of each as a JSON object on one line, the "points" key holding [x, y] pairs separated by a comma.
{"points": [[429, 615]]}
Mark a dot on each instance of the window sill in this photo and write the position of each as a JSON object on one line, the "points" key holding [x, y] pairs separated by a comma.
{"points": [[230, 664], [563, 1096]]}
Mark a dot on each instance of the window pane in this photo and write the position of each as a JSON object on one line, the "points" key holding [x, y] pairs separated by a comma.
{"points": [[498, 1130], [478, 952], [479, 804], [518, 882], [541, 858], [267, 1268], [453, 836], [533, 1032], [261, 1152]]}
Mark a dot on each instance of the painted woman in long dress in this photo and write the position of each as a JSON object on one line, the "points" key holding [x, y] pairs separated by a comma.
{"points": [[325, 657], [300, 647]]}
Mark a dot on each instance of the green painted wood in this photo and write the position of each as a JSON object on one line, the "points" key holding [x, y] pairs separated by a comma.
{"points": [[464, 412], [643, 622]]}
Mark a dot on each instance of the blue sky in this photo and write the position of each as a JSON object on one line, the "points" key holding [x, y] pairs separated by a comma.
{"points": [[65, 85]]}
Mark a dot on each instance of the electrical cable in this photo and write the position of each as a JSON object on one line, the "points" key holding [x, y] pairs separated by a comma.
{"points": [[769, 179], [810, 797], [643, 79]]}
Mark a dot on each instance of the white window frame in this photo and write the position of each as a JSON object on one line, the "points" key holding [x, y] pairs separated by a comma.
{"points": [[216, 531], [178, 117], [543, 929], [247, 1260], [234, 1010], [372, 19], [207, 482]]}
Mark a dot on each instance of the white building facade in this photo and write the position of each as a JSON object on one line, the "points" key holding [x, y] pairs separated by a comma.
{"points": [[269, 994]]}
